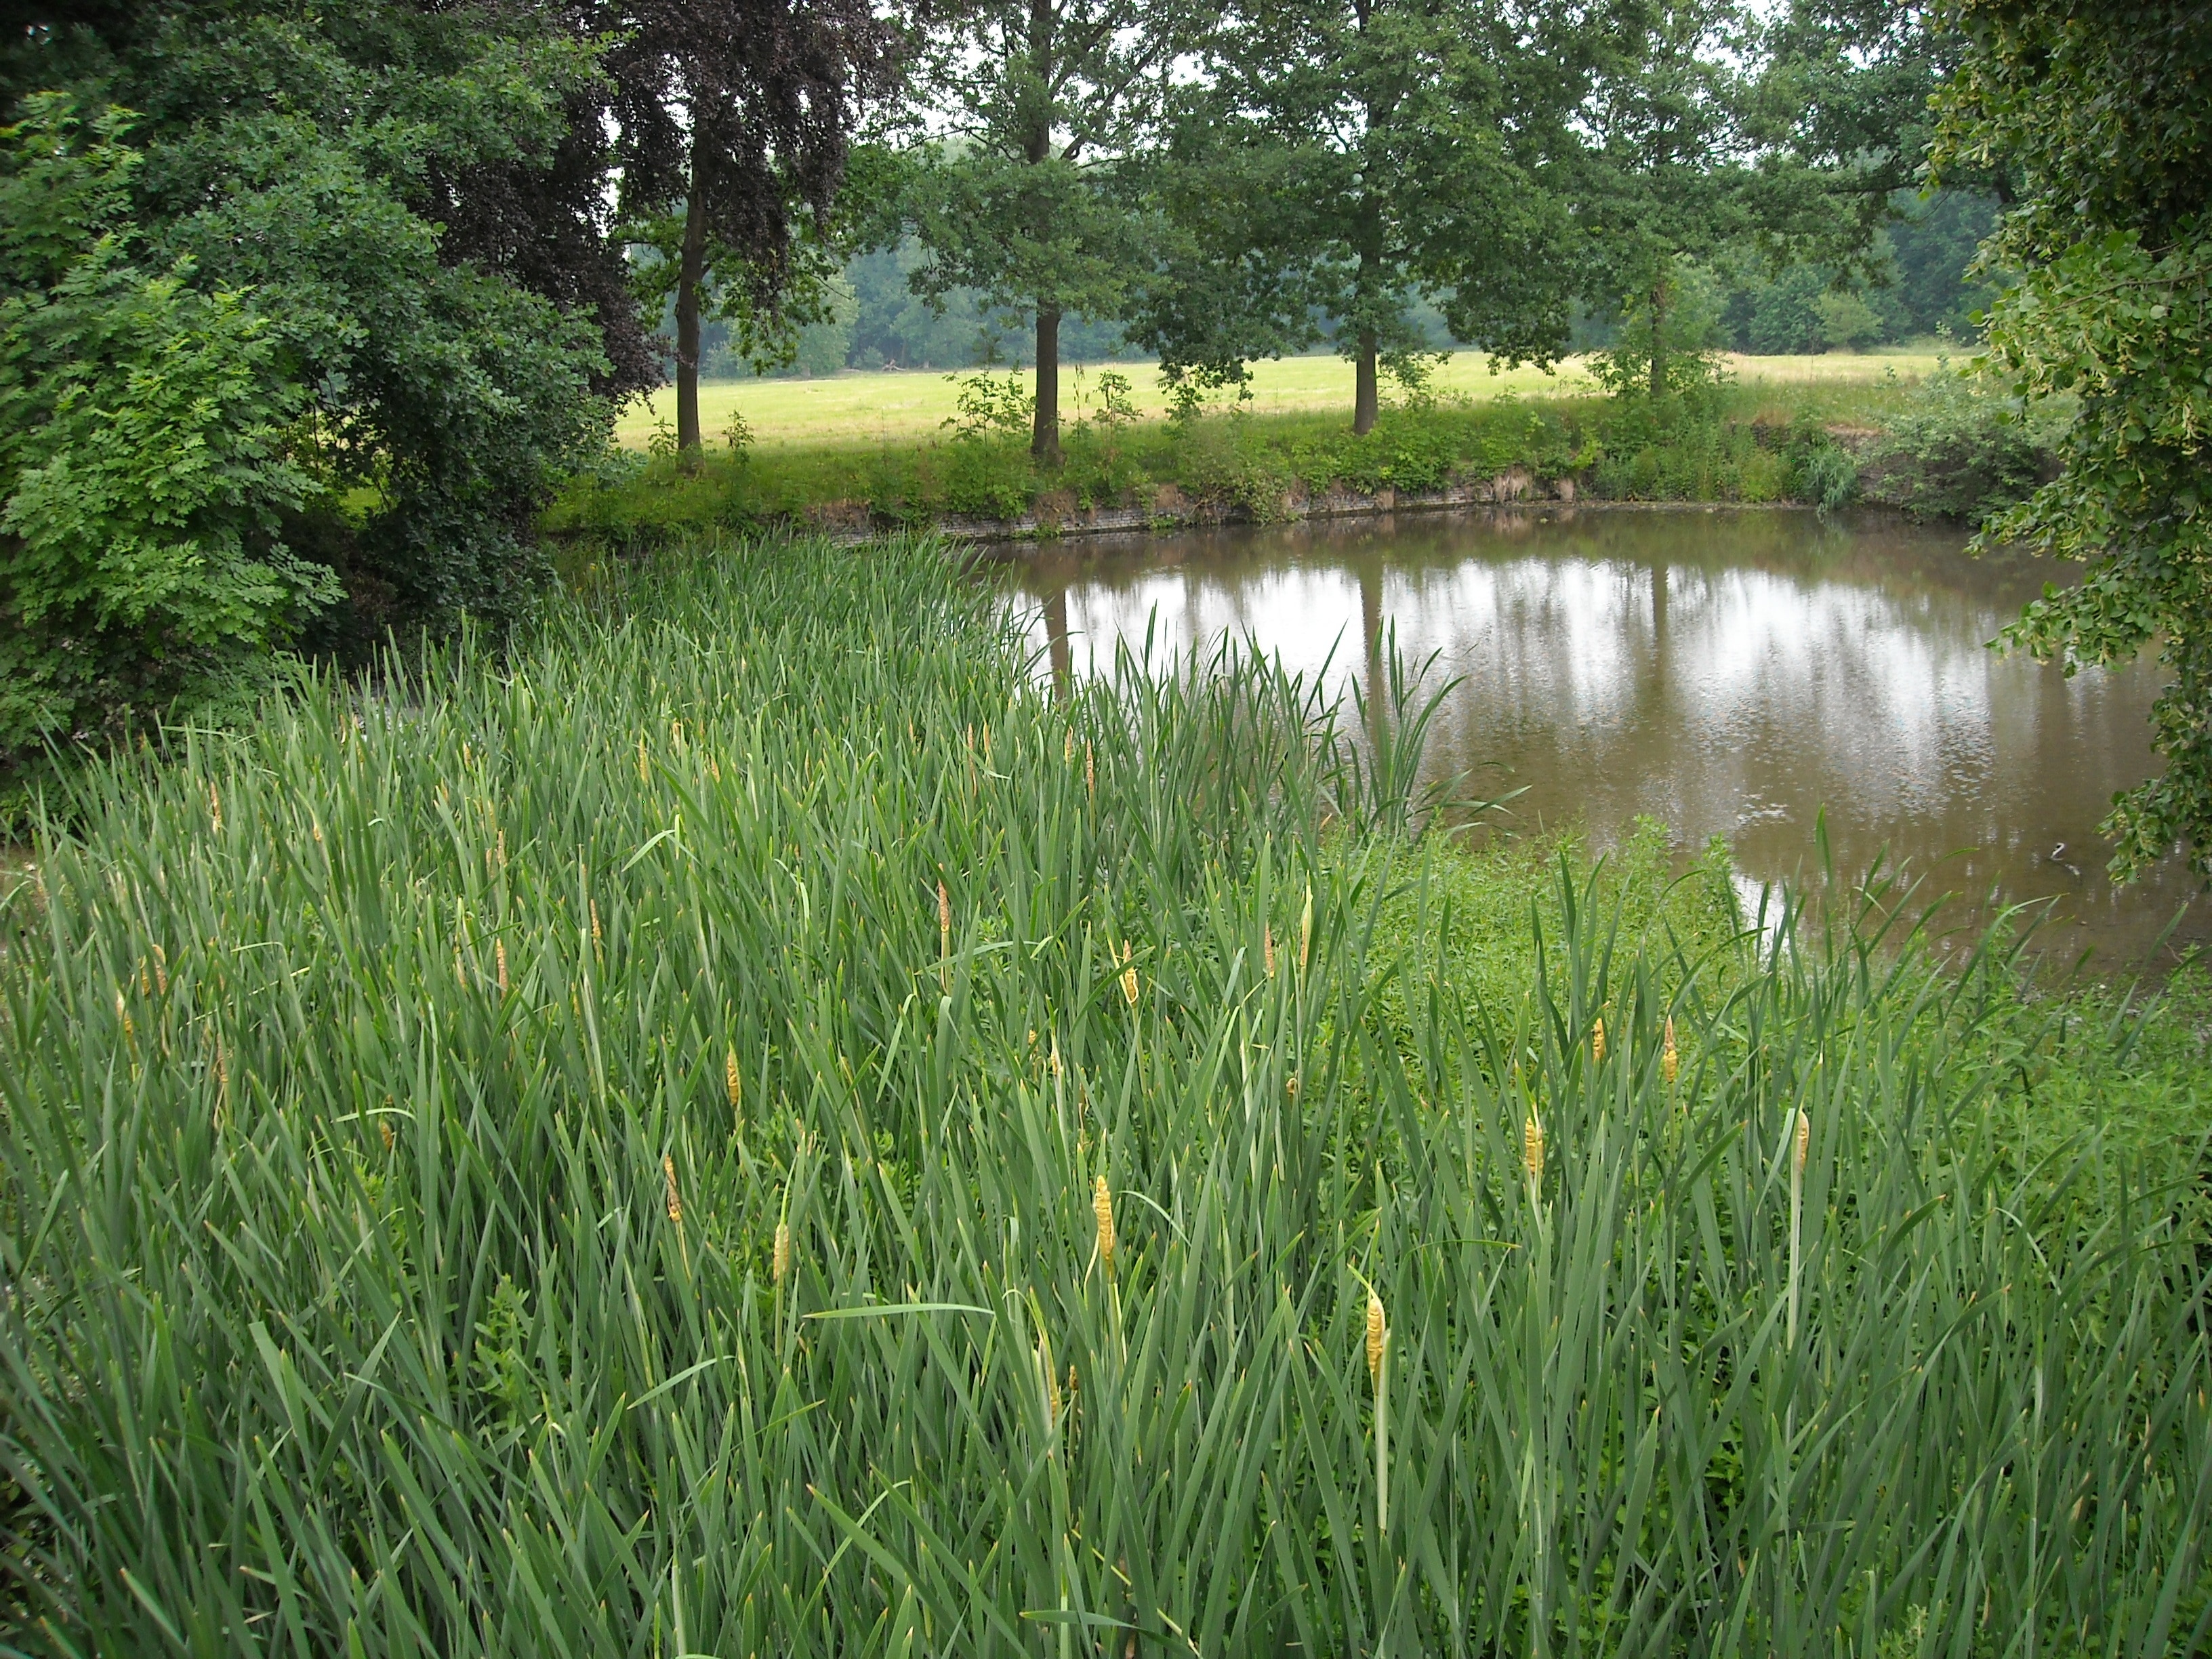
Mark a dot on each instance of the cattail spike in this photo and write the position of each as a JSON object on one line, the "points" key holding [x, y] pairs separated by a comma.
{"points": [[733, 1081], [779, 1260], [1268, 948], [1597, 1041], [1804, 1139], [1670, 1061], [675, 1198], [1376, 1328], [1305, 933], [499, 953], [1532, 1149], [1128, 977], [1102, 1205]]}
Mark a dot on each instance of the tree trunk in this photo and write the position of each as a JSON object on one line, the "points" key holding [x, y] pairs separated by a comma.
{"points": [[1659, 338], [1044, 441], [1365, 399], [690, 274]]}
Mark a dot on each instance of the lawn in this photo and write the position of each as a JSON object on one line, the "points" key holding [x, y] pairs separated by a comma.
{"points": [[744, 1123], [856, 408]]}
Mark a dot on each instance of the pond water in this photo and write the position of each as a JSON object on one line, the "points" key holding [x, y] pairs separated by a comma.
{"points": [[1732, 673]]}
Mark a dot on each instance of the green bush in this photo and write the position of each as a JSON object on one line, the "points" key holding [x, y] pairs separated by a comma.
{"points": [[1958, 447], [145, 476]]}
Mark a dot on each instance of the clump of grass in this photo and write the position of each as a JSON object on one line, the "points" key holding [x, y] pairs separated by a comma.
{"points": [[357, 1302]]}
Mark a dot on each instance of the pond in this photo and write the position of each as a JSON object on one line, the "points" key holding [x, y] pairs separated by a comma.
{"points": [[1736, 673]]}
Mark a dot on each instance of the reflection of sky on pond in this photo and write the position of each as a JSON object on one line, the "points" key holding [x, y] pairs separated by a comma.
{"points": [[1731, 673]]}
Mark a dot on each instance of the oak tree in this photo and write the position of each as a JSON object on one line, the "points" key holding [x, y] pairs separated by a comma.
{"points": [[1026, 196]]}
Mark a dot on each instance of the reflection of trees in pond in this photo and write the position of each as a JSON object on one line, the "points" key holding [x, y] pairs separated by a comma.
{"points": [[1730, 673]]}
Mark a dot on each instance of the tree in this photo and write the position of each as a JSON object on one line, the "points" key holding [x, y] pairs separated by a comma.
{"points": [[1665, 178], [1349, 158], [2098, 115], [736, 120], [1027, 198]]}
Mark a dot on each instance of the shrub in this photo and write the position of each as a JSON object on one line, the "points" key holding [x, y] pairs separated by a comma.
{"points": [[145, 477], [1958, 448]]}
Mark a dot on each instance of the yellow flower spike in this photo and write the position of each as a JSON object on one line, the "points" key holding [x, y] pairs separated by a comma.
{"points": [[675, 1198], [1305, 933], [1670, 1061], [1532, 1149], [1128, 977], [1102, 1205], [779, 1260], [1597, 1041], [735, 1084], [1377, 1329], [499, 950], [1268, 948]]}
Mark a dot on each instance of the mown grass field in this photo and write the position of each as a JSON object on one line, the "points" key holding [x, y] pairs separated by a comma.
{"points": [[748, 1124], [862, 408]]}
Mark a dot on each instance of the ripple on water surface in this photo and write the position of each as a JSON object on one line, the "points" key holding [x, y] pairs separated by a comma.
{"points": [[1731, 672]]}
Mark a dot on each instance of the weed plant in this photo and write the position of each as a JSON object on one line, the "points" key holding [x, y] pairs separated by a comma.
{"points": [[758, 1125]]}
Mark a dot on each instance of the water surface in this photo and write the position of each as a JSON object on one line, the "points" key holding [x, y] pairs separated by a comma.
{"points": [[1732, 673]]}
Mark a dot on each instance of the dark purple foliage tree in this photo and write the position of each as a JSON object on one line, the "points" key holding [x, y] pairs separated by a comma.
{"points": [[734, 120]]}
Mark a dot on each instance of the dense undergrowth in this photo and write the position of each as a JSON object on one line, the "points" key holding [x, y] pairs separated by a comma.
{"points": [[611, 1150]]}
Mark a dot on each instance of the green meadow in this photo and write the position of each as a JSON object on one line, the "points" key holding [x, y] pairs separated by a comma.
{"points": [[749, 1122], [861, 408]]}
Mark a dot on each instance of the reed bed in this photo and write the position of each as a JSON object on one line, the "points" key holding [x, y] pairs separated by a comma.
{"points": [[757, 1125]]}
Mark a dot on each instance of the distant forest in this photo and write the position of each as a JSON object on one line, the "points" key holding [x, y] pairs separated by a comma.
{"points": [[877, 320]]}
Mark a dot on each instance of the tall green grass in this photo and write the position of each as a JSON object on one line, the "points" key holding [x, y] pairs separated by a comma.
{"points": [[595, 1151]]}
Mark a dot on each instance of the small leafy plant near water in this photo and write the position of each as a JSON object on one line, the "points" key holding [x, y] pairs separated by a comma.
{"points": [[754, 1123]]}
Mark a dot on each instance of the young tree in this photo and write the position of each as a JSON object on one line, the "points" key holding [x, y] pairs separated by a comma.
{"points": [[1349, 158], [735, 121], [1665, 178], [1024, 200], [2098, 116]]}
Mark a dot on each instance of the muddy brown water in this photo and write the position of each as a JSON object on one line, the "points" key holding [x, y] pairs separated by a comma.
{"points": [[1731, 673]]}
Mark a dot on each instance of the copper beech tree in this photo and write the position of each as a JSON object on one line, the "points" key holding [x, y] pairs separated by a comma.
{"points": [[735, 120]]}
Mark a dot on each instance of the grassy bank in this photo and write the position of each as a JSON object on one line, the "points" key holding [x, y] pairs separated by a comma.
{"points": [[750, 1125], [1752, 442]]}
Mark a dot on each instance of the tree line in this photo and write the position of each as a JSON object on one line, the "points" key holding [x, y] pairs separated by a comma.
{"points": [[308, 309]]}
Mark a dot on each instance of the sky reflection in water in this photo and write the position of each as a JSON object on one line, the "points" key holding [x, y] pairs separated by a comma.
{"points": [[1730, 672]]}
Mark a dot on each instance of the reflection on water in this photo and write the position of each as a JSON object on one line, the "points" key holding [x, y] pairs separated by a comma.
{"points": [[1729, 672]]}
